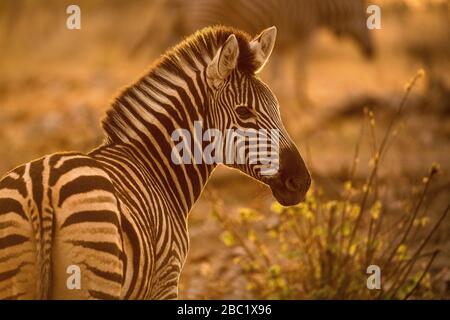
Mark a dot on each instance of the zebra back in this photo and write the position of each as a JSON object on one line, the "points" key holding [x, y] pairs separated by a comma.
{"points": [[296, 20]]}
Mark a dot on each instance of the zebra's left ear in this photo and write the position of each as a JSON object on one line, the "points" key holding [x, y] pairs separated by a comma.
{"points": [[262, 45]]}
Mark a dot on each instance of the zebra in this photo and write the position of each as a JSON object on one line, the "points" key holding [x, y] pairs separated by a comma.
{"points": [[296, 20], [119, 212]]}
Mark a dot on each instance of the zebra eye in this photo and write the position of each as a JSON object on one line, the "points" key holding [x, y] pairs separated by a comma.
{"points": [[244, 112]]}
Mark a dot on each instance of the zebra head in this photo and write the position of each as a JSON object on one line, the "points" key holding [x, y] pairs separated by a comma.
{"points": [[239, 102]]}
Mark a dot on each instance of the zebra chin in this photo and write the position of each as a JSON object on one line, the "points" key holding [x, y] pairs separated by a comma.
{"points": [[286, 197], [289, 190]]}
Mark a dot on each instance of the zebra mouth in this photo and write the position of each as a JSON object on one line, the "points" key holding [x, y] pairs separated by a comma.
{"points": [[284, 195], [287, 198]]}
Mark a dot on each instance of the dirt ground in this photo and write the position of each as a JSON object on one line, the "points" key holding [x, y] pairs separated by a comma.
{"points": [[56, 84]]}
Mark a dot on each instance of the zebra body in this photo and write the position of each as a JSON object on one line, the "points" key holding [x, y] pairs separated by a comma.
{"points": [[120, 212], [66, 202], [73, 209], [296, 20]]}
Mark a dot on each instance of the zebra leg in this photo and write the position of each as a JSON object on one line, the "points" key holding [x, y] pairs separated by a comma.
{"points": [[26, 219], [288, 71], [87, 251], [18, 267], [87, 262], [299, 58], [166, 287]]}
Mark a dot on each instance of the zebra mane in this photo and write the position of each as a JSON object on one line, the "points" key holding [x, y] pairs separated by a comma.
{"points": [[203, 43], [207, 41]]}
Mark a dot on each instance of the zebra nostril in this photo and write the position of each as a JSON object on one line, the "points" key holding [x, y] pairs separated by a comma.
{"points": [[292, 184]]}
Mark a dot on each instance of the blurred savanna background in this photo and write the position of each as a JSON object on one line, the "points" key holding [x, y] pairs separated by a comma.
{"points": [[374, 131]]}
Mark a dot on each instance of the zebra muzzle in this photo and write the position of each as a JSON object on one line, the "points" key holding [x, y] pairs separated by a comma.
{"points": [[292, 183]]}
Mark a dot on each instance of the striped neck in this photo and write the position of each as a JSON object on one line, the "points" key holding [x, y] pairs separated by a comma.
{"points": [[140, 125], [143, 118]]}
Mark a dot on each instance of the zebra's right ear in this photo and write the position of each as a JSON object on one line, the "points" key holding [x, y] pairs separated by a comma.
{"points": [[223, 62]]}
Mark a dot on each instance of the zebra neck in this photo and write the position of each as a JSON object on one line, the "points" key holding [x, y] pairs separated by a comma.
{"points": [[139, 130], [148, 174]]}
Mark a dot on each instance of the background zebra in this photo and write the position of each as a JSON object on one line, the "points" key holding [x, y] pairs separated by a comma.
{"points": [[120, 212], [296, 20]]}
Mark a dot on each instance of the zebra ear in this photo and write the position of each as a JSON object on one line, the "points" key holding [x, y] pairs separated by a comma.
{"points": [[262, 45], [224, 61]]}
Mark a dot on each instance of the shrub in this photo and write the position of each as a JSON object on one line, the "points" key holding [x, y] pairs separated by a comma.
{"points": [[321, 249]]}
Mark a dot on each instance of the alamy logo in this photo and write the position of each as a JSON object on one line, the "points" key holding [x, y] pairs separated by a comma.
{"points": [[74, 279], [374, 20], [229, 148], [74, 19], [374, 280]]}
